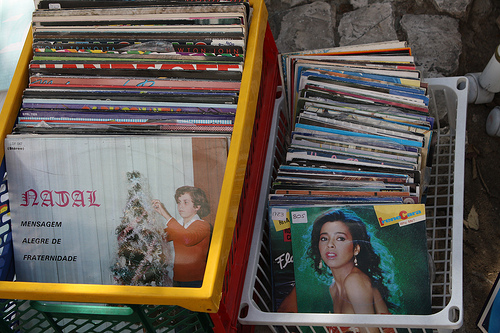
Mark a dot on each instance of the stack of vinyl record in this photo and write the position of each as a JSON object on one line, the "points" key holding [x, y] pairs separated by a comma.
{"points": [[134, 66], [357, 160], [362, 129]]}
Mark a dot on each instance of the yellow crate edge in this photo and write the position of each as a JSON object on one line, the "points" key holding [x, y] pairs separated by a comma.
{"points": [[237, 162], [204, 299]]}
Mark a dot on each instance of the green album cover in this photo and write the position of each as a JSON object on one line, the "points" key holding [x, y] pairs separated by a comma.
{"points": [[361, 259]]}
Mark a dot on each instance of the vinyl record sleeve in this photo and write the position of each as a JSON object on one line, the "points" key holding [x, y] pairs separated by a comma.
{"points": [[136, 11], [489, 320], [133, 95], [178, 117], [138, 105], [83, 212], [130, 82], [215, 72], [322, 173], [352, 147], [49, 4], [390, 253]]}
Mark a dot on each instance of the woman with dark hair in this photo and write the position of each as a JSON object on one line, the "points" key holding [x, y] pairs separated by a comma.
{"points": [[340, 244]]}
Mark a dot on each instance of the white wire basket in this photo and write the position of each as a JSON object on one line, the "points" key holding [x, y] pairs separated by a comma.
{"points": [[444, 210]]}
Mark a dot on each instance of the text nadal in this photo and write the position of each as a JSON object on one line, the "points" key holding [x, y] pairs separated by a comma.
{"points": [[47, 198]]}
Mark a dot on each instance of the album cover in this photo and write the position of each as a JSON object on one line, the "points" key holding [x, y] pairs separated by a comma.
{"points": [[60, 4], [361, 259], [209, 50], [281, 255], [33, 115], [177, 71], [489, 320], [345, 145], [321, 173], [185, 106], [194, 96], [130, 82], [280, 245], [134, 210]]}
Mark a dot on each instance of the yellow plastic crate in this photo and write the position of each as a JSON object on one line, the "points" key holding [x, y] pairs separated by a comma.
{"points": [[204, 299]]}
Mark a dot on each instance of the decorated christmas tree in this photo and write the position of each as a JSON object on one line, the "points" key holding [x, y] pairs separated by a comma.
{"points": [[144, 258]]}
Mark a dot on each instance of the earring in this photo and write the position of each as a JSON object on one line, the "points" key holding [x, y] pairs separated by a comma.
{"points": [[320, 266], [355, 261]]}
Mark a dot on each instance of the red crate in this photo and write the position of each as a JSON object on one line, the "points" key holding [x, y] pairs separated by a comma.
{"points": [[226, 319]]}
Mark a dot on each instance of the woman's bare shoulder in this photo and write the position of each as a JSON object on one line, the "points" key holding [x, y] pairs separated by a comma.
{"points": [[357, 279]]}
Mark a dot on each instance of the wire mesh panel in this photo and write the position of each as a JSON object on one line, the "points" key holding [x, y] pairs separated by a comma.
{"points": [[34, 317], [440, 219]]}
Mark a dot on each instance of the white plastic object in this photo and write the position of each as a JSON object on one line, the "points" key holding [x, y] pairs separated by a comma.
{"points": [[490, 77], [444, 209], [477, 94], [493, 122]]}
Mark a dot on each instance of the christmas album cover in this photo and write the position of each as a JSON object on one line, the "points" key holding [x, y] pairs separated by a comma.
{"points": [[130, 210], [361, 259]]}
